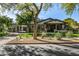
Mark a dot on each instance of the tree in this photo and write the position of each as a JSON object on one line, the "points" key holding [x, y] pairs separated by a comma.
{"points": [[6, 7], [70, 8], [35, 9], [24, 18], [71, 22], [5, 22]]}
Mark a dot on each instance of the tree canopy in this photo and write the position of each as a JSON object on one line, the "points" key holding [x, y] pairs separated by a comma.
{"points": [[24, 18], [5, 22], [70, 7], [71, 22]]}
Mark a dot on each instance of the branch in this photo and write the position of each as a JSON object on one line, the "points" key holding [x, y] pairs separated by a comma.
{"points": [[20, 16], [35, 7], [30, 10], [40, 8]]}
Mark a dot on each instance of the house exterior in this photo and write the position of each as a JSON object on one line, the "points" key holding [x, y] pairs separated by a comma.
{"points": [[52, 25], [48, 25]]}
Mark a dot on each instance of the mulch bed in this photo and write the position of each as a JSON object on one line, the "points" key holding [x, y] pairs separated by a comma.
{"points": [[40, 41]]}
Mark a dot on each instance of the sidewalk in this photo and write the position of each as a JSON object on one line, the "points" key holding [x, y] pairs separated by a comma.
{"points": [[6, 40]]}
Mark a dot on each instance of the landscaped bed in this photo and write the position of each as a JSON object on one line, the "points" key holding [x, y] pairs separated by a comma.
{"points": [[27, 38]]}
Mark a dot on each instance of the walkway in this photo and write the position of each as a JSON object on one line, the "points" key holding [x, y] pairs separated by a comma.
{"points": [[6, 40], [10, 37]]}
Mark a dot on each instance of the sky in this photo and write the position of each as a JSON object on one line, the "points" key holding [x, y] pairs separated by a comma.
{"points": [[54, 12]]}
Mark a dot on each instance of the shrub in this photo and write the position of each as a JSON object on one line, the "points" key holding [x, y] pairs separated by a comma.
{"points": [[3, 34], [48, 34], [68, 34], [58, 35], [43, 34]]}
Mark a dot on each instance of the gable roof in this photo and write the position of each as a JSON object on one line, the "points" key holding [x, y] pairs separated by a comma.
{"points": [[50, 20]]}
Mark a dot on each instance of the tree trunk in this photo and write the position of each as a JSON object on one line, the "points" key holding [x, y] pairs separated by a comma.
{"points": [[35, 19], [35, 30]]}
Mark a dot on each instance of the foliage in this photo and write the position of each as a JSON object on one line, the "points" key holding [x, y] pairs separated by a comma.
{"points": [[58, 35], [68, 34], [3, 34], [5, 22], [24, 18], [75, 35], [70, 7], [71, 24], [25, 35], [7, 7], [43, 34]]}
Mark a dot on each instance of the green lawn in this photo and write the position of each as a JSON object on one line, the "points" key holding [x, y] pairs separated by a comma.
{"points": [[25, 35], [75, 35]]}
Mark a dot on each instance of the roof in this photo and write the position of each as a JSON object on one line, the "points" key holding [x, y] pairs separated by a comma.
{"points": [[50, 20]]}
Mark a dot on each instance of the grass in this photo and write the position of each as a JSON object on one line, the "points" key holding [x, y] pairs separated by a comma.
{"points": [[25, 35], [28, 35], [75, 35]]}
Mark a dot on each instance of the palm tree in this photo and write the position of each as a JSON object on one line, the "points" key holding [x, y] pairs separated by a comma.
{"points": [[70, 8]]}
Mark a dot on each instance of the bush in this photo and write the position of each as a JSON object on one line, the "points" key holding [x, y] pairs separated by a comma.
{"points": [[58, 35], [2, 34], [25, 35], [68, 34]]}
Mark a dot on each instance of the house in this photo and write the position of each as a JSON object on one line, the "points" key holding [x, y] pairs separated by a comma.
{"points": [[49, 25], [52, 25]]}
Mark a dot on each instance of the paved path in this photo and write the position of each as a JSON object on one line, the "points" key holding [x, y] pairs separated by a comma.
{"points": [[6, 40], [10, 37]]}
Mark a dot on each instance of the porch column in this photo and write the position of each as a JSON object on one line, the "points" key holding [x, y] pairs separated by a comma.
{"points": [[22, 28], [45, 28], [19, 28], [55, 26], [62, 26], [15, 28]]}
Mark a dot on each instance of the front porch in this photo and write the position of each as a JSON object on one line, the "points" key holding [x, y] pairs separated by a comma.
{"points": [[18, 28], [53, 27]]}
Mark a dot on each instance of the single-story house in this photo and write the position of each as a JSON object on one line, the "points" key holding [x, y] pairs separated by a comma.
{"points": [[49, 25]]}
